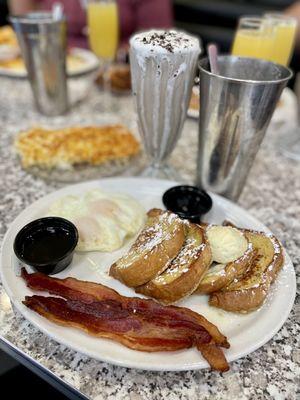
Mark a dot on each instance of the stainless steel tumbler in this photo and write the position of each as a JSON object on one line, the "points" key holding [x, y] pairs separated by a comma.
{"points": [[235, 110], [42, 39]]}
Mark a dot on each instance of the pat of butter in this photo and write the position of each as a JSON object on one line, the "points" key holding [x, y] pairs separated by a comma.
{"points": [[227, 243]]}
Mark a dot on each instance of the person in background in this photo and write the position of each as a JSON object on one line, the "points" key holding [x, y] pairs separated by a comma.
{"points": [[294, 11], [135, 15]]}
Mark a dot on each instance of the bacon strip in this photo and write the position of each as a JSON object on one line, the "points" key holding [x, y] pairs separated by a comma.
{"points": [[126, 329], [139, 324], [88, 292]]}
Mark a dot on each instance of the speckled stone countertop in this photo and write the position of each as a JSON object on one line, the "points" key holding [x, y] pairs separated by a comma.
{"points": [[272, 195]]}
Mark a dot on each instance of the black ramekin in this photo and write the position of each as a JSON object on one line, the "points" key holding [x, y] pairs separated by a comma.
{"points": [[188, 202], [35, 229]]}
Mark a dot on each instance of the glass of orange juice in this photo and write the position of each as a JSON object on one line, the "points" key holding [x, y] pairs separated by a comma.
{"points": [[284, 28], [103, 28], [253, 38]]}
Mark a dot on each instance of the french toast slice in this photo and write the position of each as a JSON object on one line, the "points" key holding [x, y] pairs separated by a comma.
{"points": [[157, 244], [185, 271], [249, 292], [232, 254]]}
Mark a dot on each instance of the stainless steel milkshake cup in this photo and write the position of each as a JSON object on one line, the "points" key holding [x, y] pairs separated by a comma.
{"points": [[42, 39], [235, 110]]}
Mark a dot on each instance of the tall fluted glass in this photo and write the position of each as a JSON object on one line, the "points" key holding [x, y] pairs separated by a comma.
{"points": [[163, 65]]}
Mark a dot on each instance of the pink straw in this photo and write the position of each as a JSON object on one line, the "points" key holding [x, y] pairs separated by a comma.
{"points": [[213, 58]]}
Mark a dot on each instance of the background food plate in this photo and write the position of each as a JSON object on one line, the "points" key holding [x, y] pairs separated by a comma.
{"points": [[89, 63], [193, 112], [246, 333], [285, 111], [78, 173]]}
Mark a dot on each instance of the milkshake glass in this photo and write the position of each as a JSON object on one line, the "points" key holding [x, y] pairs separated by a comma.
{"points": [[163, 66]]}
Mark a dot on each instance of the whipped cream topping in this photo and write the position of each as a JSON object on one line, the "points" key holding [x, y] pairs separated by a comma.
{"points": [[165, 42]]}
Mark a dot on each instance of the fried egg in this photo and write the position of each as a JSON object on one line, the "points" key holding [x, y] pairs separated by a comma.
{"points": [[104, 220]]}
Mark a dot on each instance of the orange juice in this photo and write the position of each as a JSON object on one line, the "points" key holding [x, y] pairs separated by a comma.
{"points": [[285, 31], [103, 28], [253, 43]]}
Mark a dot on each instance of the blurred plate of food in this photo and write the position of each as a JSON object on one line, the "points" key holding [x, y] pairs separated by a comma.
{"points": [[73, 154], [193, 110], [79, 61], [286, 109], [119, 78]]}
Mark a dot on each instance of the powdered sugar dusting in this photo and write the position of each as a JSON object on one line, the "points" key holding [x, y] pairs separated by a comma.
{"points": [[257, 275], [245, 255], [182, 262], [164, 227]]}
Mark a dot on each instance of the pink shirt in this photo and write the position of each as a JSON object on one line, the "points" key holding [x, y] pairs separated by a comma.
{"points": [[135, 15]]}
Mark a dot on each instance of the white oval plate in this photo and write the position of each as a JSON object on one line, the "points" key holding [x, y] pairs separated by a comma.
{"points": [[246, 333], [89, 63]]}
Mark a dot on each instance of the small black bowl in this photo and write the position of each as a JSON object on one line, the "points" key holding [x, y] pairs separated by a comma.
{"points": [[188, 202], [47, 244]]}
